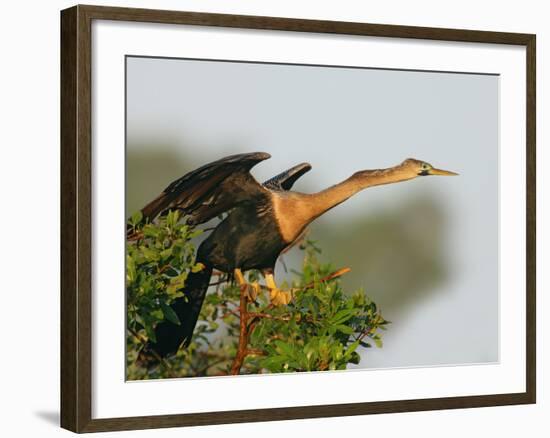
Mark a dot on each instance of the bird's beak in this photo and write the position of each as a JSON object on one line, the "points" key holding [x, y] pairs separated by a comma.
{"points": [[441, 172]]}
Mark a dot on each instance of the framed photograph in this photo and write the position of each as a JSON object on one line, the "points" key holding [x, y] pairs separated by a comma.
{"points": [[271, 218]]}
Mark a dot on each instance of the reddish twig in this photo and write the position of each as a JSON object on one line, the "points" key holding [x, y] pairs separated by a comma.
{"points": [[268, 316], [243, 332], [230, 312], [364, 334], [134, 236], [328, 277], [255, 352]]}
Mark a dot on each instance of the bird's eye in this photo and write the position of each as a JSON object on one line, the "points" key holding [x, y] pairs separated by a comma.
{"points": [[425, 166]]}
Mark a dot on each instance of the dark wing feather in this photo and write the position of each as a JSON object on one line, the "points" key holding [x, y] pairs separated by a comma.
{"points": [[285, 180], [211, 189]]}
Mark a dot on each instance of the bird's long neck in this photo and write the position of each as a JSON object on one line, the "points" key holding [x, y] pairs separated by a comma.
{"points": [[294, 211], [338, 193]]}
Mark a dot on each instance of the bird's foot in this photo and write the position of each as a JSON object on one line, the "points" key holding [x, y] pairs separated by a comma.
{"points": [[280, 297], [252, 290], [277, 296]]}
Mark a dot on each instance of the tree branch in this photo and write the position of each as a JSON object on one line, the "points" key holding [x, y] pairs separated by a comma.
{"points": [[326, 278], [243, 332]]}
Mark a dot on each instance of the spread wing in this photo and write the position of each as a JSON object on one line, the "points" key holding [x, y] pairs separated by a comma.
{"points": [[212, 189], [285, 180]]}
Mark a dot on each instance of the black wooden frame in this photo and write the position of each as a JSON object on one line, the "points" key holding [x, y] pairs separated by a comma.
{"points": [[76, 173]]}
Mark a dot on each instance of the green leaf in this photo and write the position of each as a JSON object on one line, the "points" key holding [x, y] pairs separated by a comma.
{"points": [[197, 268], [130, 269], [150, 332], [273, 363], [136, 218], [150, 254], [151, 231], [351, 349], [345, 329], [169, 314], [285, 348], [343, 315]]}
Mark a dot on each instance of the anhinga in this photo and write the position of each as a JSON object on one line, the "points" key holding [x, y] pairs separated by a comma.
{"points": [[261, 221]]}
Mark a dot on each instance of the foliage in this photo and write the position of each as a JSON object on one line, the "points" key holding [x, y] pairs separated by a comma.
{"points": [[321, 329]]}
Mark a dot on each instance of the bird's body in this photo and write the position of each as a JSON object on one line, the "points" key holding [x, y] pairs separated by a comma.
{"points": [[261, 222], [248, 238]]}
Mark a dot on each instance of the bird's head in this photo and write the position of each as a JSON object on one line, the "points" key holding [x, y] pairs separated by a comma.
{"points": [[421, 168]]}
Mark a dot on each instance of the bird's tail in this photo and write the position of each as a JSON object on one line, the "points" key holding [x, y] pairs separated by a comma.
{"points": [[156, 206], [149, 212], [170, 336]]}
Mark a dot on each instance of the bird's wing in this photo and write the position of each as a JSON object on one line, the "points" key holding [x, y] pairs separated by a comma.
{"points": [[212, 189], [285, 180]]}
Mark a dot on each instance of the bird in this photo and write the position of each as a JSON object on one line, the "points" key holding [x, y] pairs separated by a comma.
{"points": [[261, 221]]}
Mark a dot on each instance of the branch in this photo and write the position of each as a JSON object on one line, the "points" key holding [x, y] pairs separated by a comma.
{"points": [[243, 332], [135, 235], [326, 278], [268, 316]]}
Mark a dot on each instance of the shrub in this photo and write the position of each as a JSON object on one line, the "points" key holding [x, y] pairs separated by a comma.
{"points": [[320, 329]]}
